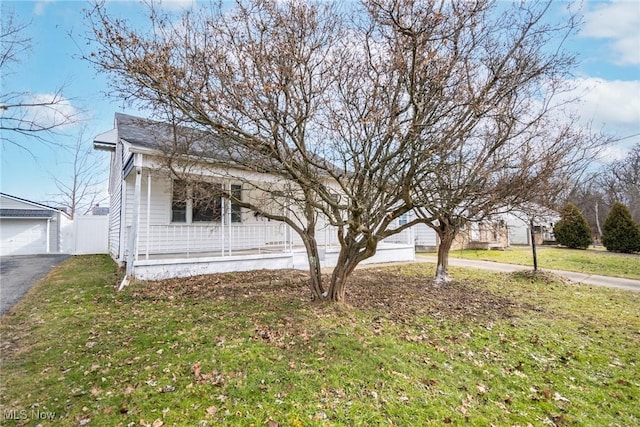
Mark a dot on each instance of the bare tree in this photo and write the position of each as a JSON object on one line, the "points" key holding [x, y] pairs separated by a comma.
{"points": [[620, 182], [35, 116], [83, 188], [596, 192], [588, 196], [481, 82], [361, 114]]}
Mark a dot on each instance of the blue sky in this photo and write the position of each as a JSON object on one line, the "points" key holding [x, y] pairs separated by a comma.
{"points": [[608, 77]]}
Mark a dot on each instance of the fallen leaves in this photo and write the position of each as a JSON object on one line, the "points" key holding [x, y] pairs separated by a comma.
{"points": [[213, 377], [402, 297], [156, 423]]}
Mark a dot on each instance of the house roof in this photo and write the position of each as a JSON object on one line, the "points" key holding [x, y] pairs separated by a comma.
{"points": [[37, 206], [26, 213], [164, 138], [100, 210], [169, 139]]}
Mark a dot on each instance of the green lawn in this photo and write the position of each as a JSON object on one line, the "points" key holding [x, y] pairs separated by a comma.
{"points": [[250, 349], [593, 261]]}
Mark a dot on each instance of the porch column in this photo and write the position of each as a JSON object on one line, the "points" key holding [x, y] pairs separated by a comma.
{"points": [[122, 221], [132, 254], [148, 212], [223, 203], [229, 216]]}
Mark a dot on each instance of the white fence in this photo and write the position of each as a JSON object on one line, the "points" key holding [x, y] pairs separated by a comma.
{"points": [[90, 235]]}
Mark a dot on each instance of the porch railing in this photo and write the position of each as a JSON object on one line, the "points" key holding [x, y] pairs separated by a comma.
{"points": [[219, 240], [224, 240]]}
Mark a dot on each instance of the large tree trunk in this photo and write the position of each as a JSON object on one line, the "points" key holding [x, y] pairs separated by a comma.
{"points": [[349, 258], [337, 288], [315, 273], [344, 267], [446, 240]]}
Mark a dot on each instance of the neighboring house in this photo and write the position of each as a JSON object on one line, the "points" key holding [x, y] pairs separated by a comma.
{"points": [[157, 232], [485, 234], [28, 228], [426, 238], [520, 229], [98, 210]]}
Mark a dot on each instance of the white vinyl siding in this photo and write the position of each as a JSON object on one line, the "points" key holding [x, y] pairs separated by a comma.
{"points": [[115, 202], [425, 236]]}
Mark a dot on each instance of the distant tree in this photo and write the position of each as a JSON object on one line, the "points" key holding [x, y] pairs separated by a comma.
{"points": [[619, 181], [620, 233], [588, 196], [81, 190], [573, 230], [36, 116]]}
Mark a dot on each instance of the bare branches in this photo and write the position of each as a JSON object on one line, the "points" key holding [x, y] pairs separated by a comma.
{"points": [[79, 192], [479, 87], [24, 114], [358, 115], [13, 41]]}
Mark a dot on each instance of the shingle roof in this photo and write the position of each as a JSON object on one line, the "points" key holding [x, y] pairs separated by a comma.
{"points": [[31, 202], [26, 213], [182, 140], [164, 137]]}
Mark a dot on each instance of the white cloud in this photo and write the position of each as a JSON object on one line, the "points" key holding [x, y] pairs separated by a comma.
{"points": [[49, 111], [617, 22], [40, 6], [610, 106], [176, 4], [609, 102]]}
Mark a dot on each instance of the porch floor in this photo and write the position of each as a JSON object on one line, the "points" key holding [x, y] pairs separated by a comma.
{"points": [[276, 249]]}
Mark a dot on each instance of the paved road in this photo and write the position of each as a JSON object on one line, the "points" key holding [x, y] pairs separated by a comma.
{"points": [[589, 279], [19, 272]]}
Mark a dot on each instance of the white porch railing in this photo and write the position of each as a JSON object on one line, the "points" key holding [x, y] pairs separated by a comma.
{"points": [[405, 237], [216, 239], [327, 236], [224, 240]]}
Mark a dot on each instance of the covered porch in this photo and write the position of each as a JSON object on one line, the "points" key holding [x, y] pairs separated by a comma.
{"points": [[188, 250], [155, 246]]}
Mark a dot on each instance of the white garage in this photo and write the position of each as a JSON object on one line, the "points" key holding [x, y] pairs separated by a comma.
{"points": [[28, 228]]}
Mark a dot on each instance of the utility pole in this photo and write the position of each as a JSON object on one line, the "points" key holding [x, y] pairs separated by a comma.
{"points": [[533, 245]]}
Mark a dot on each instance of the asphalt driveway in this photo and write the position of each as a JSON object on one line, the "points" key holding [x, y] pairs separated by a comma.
{"points": [[19, 272]]}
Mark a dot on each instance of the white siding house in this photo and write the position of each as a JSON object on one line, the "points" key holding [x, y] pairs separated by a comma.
{"points": [[520, 229], [30, 228], [425, 237], [158, 235]]}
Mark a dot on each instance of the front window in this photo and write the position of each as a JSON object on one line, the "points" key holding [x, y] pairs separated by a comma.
{"points": [[207, 203], [202, 202], [179, 202]]}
